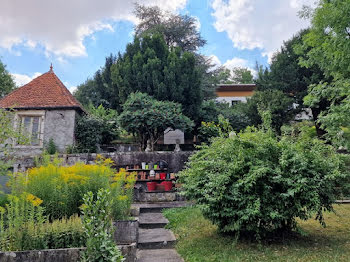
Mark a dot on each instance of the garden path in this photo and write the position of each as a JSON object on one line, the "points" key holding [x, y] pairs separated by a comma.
{"points": [[156, 244]]}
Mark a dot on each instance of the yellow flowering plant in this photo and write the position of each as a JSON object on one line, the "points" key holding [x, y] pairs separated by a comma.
{"points": [[19, 219], [122, 189], [60, 189]]}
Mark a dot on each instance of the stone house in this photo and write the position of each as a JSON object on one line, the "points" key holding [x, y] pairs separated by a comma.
{"points": [[44, 109]]}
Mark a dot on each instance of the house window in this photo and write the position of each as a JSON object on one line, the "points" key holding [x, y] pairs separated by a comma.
{"points": [[30, 127], [235, 102]]}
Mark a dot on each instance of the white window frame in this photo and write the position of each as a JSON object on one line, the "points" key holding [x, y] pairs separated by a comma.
{"points": [[31, 113]]}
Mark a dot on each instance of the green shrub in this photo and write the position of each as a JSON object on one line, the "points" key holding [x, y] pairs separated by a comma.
{"points": [[98, 228], [210, 129], [72, 149], [89, 133], [306, 129], [63, 233], [21, 219], [108, 117], [51, 148], [253, 184], [97, 128], [3, 199]]}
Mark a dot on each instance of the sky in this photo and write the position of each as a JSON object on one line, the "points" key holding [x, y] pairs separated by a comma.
{"points": [[76, 35]]}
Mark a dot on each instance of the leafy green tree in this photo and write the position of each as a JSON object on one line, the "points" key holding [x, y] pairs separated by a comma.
{"points": [[6, 82], [236, 115], [211, 76], [109, 129], [286, 74], [293, 79], [256, 185], [88, 133], [99, 127], [241, 75], [148, 118], [178, 30], [335, 117], [327, 42], [275, 101], [209, 111], [148, 66], [327, 46], [87, 93]]}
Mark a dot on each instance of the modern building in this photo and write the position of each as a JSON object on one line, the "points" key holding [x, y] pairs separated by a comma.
{"points": [[44, 109], [234, 93]]}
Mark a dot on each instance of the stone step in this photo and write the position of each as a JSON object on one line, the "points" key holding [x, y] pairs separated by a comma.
{"points": [[158, 255], [158, 207], [158, 196], [152, 220], [156, 238]]}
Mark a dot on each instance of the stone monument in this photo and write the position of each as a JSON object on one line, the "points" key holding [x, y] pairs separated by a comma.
{"points": [[173, 137]]}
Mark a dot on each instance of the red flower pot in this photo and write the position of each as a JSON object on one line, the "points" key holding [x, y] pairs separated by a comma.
{"points": [[168, 185], [162, 176], [151, 186]]}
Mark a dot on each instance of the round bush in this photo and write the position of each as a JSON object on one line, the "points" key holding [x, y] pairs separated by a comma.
{"points": [[254, 184]]}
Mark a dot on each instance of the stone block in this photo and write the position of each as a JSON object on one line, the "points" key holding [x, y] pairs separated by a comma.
{"points": [[126, 232]]}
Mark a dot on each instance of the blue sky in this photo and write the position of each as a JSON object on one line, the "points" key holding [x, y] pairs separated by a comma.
{"points": [[77, 35]]}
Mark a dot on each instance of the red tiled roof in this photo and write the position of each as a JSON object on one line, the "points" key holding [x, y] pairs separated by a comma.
{"points": [[44, 92]]}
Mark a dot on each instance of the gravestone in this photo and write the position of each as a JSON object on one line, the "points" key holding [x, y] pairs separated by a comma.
{"points": [[173, 137]]}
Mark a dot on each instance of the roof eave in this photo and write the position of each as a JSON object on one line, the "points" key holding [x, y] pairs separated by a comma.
{"points": [[78, 108]]}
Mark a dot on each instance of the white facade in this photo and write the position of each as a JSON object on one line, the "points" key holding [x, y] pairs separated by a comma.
{"points": [[232, 99]]}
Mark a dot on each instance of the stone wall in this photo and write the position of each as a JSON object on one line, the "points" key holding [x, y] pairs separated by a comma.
{"points": [[126, 231], [60, 255], [176, 160], [60, 125]]}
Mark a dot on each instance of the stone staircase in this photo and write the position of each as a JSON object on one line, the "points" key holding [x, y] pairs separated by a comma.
{"points": [[155, 243]]}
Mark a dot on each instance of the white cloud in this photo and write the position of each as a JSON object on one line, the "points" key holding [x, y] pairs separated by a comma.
{"points": [[236, 62], [259, 24], [72, 89], [61, 26], [197, 23], [232, 63], [239, 62], [21, 80], [215, 61]]}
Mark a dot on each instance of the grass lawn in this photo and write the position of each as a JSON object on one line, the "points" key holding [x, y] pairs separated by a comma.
{"points": [[199, 241]]}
